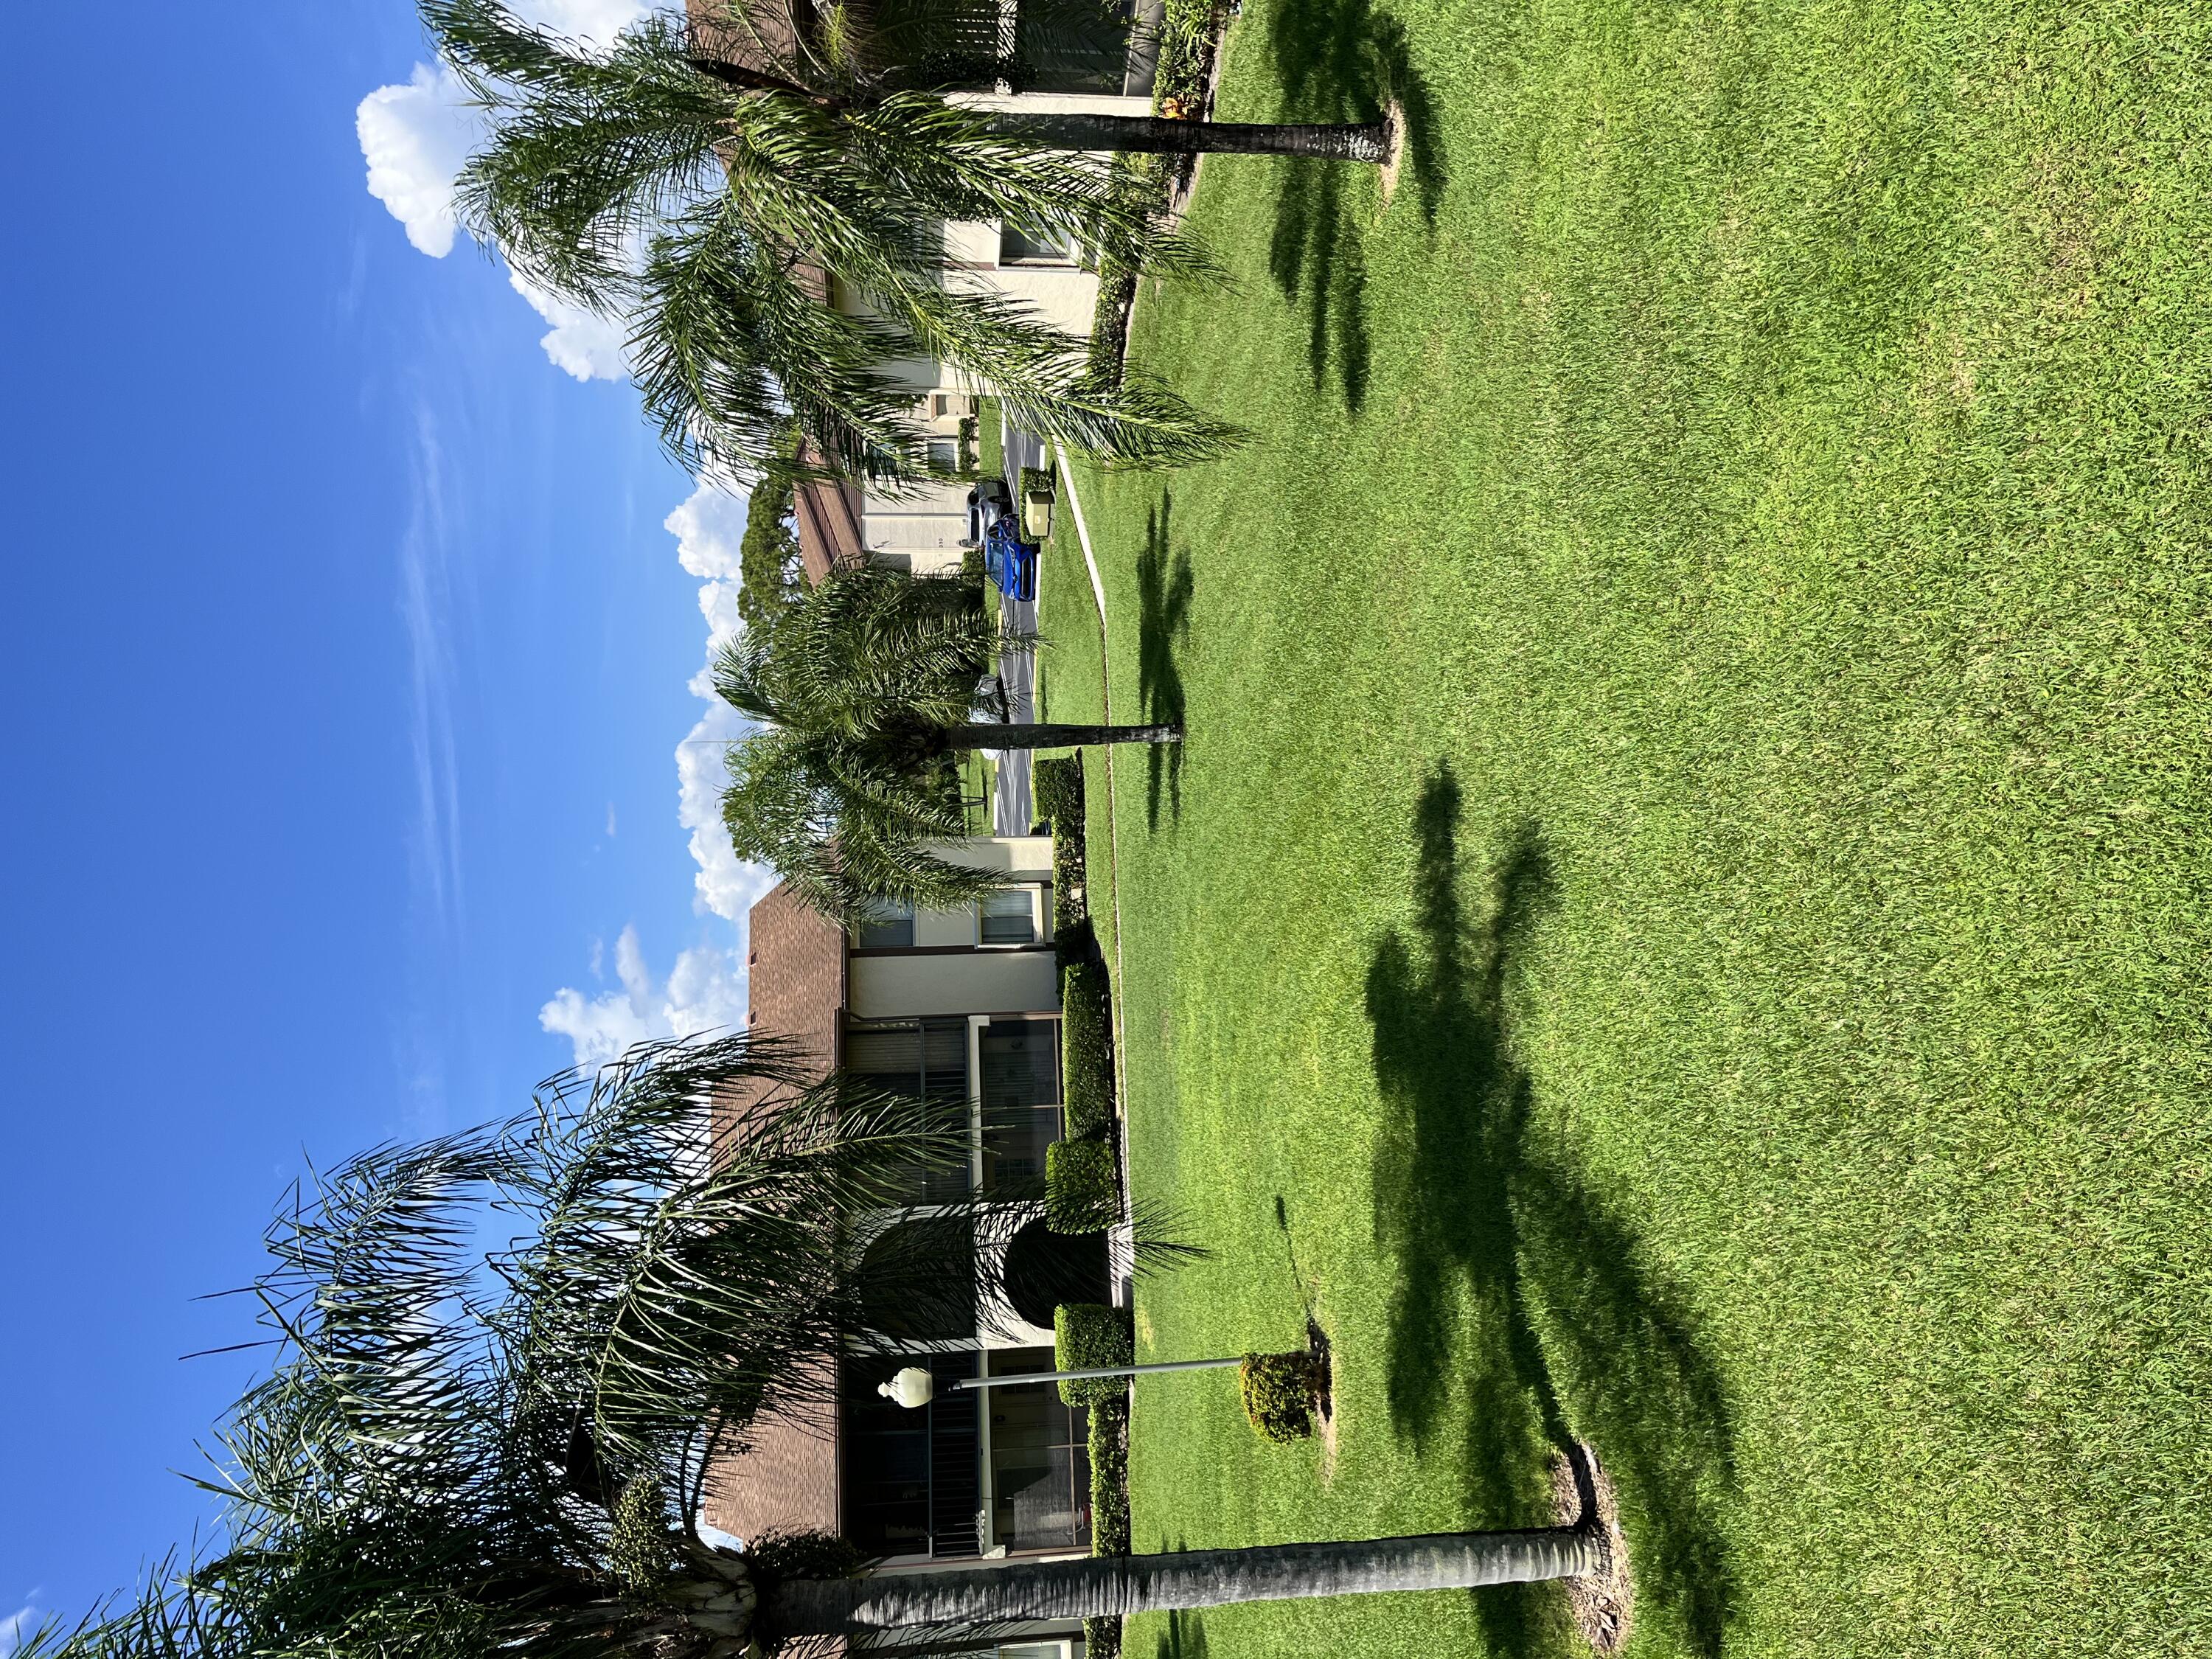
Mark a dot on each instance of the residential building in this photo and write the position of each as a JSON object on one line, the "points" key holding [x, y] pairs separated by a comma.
{"points": [[959, 1006], [1106, 69]]}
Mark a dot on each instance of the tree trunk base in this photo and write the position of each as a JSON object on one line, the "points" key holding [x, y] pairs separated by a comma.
{"points": [[1603, 1604], [1394, 117]]}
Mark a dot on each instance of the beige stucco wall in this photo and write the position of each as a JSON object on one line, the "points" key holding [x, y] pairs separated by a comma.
{"points": [[1026, 857], [903, 985]]}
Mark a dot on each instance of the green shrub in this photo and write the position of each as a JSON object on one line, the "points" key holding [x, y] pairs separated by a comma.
{"points": [[1082, 1191], [1279, 1391], [1086, 1049], [990, 441], [1102, 1638], [1109, 1479], [779, 1555], [1087, 1335], [1056, 785]]}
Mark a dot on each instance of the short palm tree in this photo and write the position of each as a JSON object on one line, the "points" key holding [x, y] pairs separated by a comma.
{"points": [[457, 1456], [769, 219], [865, 688]]}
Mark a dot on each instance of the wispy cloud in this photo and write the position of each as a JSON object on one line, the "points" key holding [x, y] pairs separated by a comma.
{"points": [[426, 610]]}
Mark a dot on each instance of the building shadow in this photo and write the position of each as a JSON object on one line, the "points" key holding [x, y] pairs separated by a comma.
{"points": [[1515, 1279], [1340, 60], [1164, 586]]}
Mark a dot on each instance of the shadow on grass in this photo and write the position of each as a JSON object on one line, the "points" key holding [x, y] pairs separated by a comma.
{"points": [[1341, 61], [1183, 1639], [1164, 594], [1513, 1274]]}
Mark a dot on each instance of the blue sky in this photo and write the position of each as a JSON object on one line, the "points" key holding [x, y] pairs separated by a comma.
{"points": [[347, 651]]}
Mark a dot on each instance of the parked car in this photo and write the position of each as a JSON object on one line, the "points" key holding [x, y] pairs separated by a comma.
{"points": [[988, 503], [1010, 561]]}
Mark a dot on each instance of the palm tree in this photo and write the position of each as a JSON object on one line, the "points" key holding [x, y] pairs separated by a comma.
{"points": [[457, 1456], [865, 688], [769, 218]]}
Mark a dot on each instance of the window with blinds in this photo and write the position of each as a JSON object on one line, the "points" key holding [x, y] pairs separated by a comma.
{"points": [[1008, 917], [1020, 1084], [927, 1061]]}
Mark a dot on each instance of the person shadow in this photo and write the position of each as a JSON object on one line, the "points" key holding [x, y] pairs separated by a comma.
{"points": [[1164, 587], [1340, 60], [1514, 1275]]}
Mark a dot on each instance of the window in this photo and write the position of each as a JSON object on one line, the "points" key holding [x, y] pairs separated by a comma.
{"points": [[1019, 247], [940, 405], [944, 453], [1020, 1064], [927, 1059], [1040, 1464], [1009, 917], [889, 928], [911, 1478]]}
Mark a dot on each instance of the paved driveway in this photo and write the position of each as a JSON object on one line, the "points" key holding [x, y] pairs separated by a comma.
{"points": [[1013, 808]]}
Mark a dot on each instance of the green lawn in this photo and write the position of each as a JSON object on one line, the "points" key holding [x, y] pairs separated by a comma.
{"points": [[1683, 911]]}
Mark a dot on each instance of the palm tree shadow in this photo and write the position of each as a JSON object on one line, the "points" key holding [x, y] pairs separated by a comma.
{"points": [[1164, 586], [1511, 1271], [1341, 61], [1183, 1639]]}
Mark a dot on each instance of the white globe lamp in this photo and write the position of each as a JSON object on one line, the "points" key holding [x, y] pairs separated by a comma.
{"points": [[911, 1387]]}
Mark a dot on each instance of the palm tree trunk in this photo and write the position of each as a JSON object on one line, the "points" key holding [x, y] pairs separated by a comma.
{"points": [[1337, 142], [1106, 1586], [1057, 737]]}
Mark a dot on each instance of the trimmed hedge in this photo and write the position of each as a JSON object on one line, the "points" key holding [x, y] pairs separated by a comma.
{"points": [[1279, 1389], [1082, 1188], [1086, 1336], [1109, 1481], [1056, 786], [1087, 1049]]}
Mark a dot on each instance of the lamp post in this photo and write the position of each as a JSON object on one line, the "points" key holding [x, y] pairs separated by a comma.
{"points": [[915, 1387]]}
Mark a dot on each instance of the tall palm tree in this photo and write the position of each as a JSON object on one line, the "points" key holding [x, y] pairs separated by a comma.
{"points": [[457, 1456], [865, 688], [766, 208]]}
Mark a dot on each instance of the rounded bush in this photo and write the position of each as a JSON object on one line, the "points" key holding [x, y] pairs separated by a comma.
{"points": [[1086, 1336], [1279, 1391]]}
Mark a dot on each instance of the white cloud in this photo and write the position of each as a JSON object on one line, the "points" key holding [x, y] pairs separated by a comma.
{"points": [[726, 885], [416, 138], [595, 23], [710, 532], [709, 528], [23, 1622], [589, 345], [705, 991]]}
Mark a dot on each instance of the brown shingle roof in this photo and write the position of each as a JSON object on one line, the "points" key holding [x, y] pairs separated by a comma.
{"points": [[828, 516], [753, 34]]}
